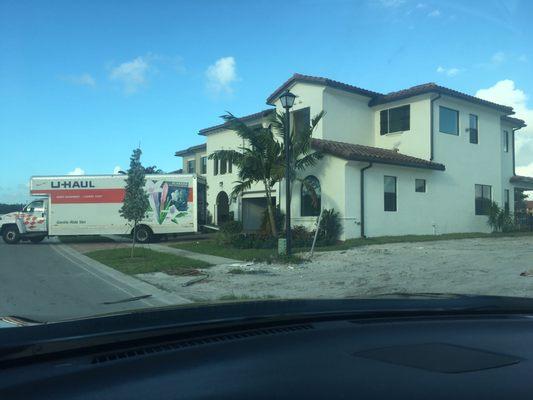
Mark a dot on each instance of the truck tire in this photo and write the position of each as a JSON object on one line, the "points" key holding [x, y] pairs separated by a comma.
{"points": [[11, 234], [37, 239], [143, 234]]}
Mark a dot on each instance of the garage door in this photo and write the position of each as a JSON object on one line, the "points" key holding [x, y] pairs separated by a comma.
{"points": [[252, 212]]}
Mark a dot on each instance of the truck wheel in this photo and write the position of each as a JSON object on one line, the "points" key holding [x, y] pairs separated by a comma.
{"points": [[37, 239], [11, 234], [143, 234]]}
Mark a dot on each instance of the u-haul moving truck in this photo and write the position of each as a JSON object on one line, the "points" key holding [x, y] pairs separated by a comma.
{"points": [[90, 204]]}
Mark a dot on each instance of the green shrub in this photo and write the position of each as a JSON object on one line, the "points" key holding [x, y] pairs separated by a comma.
{"points": [[253, 241], [499, 219], [231, 227], [228, 230], [301, 236], [330, 227]]}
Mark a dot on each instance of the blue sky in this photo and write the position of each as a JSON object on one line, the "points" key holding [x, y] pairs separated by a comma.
{"points": [[83, 83]]}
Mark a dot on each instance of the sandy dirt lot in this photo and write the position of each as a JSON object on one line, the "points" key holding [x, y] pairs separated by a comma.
{"points": [[469, 266]]}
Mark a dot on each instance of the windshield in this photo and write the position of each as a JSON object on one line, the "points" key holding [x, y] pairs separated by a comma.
{"points": [[204, 152]]}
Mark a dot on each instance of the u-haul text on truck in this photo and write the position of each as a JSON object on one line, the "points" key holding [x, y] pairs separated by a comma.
{"points": [[90, 204]]}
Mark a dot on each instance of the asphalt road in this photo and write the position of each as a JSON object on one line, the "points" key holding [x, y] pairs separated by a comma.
{"points": [[42, 282]]}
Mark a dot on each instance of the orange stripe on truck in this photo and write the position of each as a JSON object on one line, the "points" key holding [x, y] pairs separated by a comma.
{"points": [[76, 196]]}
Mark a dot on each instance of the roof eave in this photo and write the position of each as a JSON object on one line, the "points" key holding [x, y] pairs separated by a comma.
{"points": [[435, 167]]}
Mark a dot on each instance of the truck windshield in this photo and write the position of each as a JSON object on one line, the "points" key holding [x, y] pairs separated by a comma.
{"points": [[34, 206]]}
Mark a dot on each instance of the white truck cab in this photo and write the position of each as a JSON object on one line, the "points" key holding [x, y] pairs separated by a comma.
{"points": [[29, 224]]}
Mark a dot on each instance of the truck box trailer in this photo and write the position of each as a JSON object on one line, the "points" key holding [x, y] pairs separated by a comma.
{"points": [[90, 204]]}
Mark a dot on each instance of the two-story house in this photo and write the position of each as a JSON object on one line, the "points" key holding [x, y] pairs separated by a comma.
{"points": [[423, 160]]}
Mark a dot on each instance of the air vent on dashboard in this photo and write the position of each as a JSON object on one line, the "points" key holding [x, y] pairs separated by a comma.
{"points": [[143, 351]]}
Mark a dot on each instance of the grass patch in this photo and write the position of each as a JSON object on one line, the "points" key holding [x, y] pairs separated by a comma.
{"points": [[211, 247], [85, 239], [146, 260]]}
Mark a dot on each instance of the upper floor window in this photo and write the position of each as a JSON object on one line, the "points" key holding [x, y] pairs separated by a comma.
{"points": [[389, 189], [223, 167], [301, 119], [203, 165], [506, 141], [230, 166], [310, 197], [395, 119], [483, 199], [215, 167], [473, 129], [420, 185], [190, 166], [448, 121]]}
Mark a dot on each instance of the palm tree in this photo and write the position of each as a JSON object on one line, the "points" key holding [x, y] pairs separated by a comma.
{"points": [[261, 159]]}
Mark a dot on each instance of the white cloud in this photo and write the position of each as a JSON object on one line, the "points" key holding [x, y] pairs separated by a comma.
{"points": [[498, 57], [117, 169], [131, 74], [505, 92], [82, 80], [526, 170], [77, 171], [421, 5], [434, 13], [221, 75], [448, 71]]}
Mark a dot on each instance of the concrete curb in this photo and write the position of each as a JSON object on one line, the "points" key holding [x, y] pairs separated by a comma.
{"points": [[128, 284]]}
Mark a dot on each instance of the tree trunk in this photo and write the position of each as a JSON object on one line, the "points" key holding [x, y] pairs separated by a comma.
{"points": [[134, 235], [270, 211]]}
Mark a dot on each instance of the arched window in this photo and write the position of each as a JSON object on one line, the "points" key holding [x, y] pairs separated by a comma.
{"points": [[310, 197]]}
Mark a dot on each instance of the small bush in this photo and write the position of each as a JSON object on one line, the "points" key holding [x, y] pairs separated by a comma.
{"points": [[253, 241], [228, 231], [499, 219], [301, 236], [330, 227], [231, 227]]}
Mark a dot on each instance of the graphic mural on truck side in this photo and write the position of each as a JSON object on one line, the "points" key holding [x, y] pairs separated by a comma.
{"points": [[169, 201]]}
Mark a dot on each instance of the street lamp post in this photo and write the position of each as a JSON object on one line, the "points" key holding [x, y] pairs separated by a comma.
{"points": [[287, 101]]}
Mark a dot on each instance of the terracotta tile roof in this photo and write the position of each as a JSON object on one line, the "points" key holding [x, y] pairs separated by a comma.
{"points": [[433, 87], [250, 117], [379, 98], [517, 123], [200, 147], [378, 155], [321, 81], [521, 179]]}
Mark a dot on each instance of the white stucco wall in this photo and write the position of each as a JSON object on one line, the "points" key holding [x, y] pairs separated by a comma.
{"points": [[308, 95], [414, 142], [507, 165], [347, 118], [466, 163], [196, 156], [447, 206]]}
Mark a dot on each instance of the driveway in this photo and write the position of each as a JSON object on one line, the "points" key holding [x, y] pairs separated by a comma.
{"points": [[50, 282], [486, 266]]}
